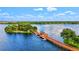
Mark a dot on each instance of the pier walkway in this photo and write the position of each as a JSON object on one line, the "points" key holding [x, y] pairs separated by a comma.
{"points": [[56, 42]]}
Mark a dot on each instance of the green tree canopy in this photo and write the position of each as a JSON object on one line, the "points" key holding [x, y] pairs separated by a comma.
{"points": [[68, 33], [20, 28]]}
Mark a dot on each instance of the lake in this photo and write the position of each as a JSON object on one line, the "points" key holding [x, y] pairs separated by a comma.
{"points": [[22, 42]]}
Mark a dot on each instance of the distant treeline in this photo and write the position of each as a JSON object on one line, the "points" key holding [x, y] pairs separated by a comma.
{"points": [[41, 22], [6, 22]]}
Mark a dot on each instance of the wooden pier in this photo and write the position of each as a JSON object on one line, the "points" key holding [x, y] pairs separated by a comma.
{"points": [[56, 42]]}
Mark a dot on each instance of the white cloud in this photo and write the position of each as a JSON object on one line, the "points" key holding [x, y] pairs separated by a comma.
{"points": [[50, 9], [66, 13], [38, 9], [61, 14], [29, 15], [4, 14], [25, 16], [20, 16], [9, 16], [40, 16], [70, 12]]}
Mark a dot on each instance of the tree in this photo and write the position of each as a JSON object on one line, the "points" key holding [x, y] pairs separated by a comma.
{"points": [[24, 26], [35, 27], [76, 39], [68, 33], [20, 28], [70, 37]]}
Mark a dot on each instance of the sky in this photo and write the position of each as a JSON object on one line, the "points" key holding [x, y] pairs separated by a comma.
{"points": [[39, 13]]}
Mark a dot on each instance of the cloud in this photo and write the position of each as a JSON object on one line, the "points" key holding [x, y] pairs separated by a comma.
{"points": [[26, 17], [61, 14], [4, 14], [50, 9], [38, 9], [66, 13], [9, 16], [70, 12], [29, 15], [40, 16]]}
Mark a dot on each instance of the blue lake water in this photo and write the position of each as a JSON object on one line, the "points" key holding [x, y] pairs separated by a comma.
{"points": [[21, 42]]}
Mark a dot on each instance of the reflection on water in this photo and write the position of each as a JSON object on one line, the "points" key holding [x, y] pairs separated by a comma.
{"points": [[32, 42], [54, 30]]}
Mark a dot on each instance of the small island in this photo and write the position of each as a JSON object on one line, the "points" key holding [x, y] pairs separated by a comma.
{"points": [[22, 28], [70, 37]]}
